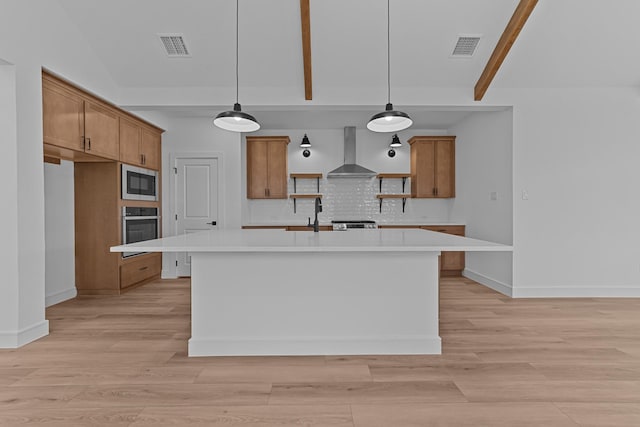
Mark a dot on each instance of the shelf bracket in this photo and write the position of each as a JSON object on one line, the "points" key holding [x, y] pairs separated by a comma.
{"points": [[404, 181], [380, 179], [381, 204], [318, 184], [294, 200], [404, 200], [294, 190]]}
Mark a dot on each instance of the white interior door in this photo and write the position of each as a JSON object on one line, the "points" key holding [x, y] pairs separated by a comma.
{"points": [[196, 200]]}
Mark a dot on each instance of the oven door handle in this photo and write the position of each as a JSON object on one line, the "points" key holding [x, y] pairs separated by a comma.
{"points": [[132, 217]]}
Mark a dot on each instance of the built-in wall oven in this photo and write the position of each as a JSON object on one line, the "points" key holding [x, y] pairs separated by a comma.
{"points": [[139, 183], [139, 224]]}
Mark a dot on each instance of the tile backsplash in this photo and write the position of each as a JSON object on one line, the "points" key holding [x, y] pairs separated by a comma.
{"points": [[348, 199]]}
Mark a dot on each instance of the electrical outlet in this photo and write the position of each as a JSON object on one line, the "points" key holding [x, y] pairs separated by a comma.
{"points": [[493, 195], [525, 195]]}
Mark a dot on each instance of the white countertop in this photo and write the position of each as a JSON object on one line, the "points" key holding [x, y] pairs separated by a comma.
{"points": [[397, 240], [325, 223]]}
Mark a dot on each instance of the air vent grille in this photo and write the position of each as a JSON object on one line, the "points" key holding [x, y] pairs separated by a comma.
{"points": [[174, 45], [465, 46]]}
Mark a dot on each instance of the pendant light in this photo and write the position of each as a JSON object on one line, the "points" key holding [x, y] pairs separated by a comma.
{"points": [[395, 143], [389, 120], [306, 144], [236, 120]]}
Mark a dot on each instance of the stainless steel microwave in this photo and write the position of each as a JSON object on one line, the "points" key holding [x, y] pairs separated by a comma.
{"points": [[139, 183]]}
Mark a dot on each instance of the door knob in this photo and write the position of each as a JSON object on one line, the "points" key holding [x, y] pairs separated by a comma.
{"points": [[212, 223]]}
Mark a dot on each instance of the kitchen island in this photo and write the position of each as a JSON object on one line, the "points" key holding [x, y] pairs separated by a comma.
{"points": [[276, 292]]}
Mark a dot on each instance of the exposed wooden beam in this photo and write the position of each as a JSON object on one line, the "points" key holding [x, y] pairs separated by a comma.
{"points": [[305, 18], [509, 36]]}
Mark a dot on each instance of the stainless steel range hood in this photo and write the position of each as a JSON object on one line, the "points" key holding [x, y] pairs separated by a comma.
{"points": [[350, 169]]}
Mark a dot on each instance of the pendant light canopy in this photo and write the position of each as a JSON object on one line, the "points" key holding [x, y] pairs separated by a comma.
{"points": [[389, 120], [236, 120]]}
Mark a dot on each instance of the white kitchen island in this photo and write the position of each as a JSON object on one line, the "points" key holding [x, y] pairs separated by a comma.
{"points": [[276, 292]]}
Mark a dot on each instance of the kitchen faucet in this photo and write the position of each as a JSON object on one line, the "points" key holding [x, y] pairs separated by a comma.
{"points": [[318, 208]]}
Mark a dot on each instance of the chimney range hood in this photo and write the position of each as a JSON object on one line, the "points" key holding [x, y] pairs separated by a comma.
{"points": [[350, 169]]}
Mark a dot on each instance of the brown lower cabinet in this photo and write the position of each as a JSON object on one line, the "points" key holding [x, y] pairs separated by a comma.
{"points": [[139, 269]]}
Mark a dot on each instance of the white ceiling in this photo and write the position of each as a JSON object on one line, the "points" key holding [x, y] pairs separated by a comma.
{"points": [[565, 43]]}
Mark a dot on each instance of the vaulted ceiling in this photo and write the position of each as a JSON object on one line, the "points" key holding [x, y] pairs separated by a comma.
{"points": [[565, 43]]}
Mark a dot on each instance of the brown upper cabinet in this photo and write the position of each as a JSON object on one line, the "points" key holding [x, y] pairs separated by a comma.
{"points": [[139, 145], [433, 169], [73, 121], [267, 167]]}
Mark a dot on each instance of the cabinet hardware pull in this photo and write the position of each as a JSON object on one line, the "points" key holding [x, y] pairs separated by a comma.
{"points": [[84, 143], [143, 268], [433, 191], [89, 142]]}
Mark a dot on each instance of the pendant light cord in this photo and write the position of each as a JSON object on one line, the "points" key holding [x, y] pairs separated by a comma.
{"points": [[388, 55], [237, 37]]}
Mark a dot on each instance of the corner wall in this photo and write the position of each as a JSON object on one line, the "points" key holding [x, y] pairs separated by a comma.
{"points": [[59, 233], [576, 203], [49, 40], [484, 193]]}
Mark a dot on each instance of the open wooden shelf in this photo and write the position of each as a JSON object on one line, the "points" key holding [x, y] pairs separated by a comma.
{"points": [[402, 196], [304, 196], [305, 175], [393, 175], [295, 195], [394, 196]]}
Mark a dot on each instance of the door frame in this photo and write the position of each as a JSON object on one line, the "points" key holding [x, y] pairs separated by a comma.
{"points": [[169, 224]]}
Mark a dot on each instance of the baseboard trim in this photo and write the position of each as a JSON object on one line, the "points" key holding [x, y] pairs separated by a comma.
{"points": [[61, 296], [496, 285], [582, 292], [313, 347], [15, 339]]}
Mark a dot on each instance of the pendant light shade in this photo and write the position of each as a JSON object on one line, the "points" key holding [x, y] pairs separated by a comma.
{"points": [[389, 120], [236, 120], [395, 142], [305, 142]]}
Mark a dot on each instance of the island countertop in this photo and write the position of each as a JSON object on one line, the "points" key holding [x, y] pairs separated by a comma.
{"points": [[380, 240]]}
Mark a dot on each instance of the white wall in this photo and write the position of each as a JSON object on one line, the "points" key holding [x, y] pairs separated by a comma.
{"points": [[32, 35], [9, 194], [60, 277], [576, 155], [349, 198], [199, 136], [484, 166]]}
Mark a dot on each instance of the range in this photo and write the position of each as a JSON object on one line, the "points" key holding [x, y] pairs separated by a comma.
{"points": [[346, 225]]}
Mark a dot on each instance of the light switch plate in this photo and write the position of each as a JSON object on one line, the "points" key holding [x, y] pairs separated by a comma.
{"points": [[493, 195]]}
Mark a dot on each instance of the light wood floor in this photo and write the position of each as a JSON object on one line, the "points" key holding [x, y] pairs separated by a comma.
{"points": [[121, 361]]}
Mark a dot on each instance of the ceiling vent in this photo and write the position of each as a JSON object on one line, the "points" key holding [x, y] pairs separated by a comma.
{"points": [[465, 46], [174, 45]]}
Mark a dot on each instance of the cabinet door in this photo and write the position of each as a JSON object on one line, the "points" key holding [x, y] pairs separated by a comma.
{"points": [[277, 170], [63, 117], [422, 174], [444, 169], [452, 261], [101, 131], [150, 149], [257, 167], [130, 139]]}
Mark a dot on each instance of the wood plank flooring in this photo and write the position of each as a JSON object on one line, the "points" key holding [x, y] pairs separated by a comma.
{"points": [[122, 361]]}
